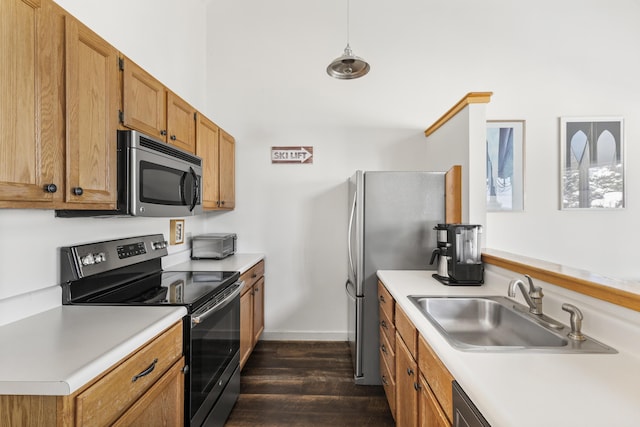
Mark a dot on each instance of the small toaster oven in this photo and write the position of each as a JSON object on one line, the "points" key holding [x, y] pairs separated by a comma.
{"points": [[213, 246]]}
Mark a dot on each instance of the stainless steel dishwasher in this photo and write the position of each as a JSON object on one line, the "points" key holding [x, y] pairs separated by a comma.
{"points": [[465, 414]]}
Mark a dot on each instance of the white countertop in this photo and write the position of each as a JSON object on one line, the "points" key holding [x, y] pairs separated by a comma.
{"points": [[536, 389], [237, 262], [58, 351]]}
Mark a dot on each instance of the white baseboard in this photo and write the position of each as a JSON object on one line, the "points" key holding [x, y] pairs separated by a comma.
{"points": [[303, 336]]}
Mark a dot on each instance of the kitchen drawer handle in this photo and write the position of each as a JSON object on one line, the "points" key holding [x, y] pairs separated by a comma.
{"points": [[417, 386], [383, 348], [409, 371], [384, 380], [145, 372], [384, 324], [78, 191], [173, 137]]}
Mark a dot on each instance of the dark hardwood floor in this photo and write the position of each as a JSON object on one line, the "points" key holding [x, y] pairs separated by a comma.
{"points": [[305, 383]]}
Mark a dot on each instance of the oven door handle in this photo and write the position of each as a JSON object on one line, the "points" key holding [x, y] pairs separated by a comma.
{"points": [[197, 318]]}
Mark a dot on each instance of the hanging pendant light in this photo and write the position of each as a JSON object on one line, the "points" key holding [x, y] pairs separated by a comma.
{"points": [[348, 66]]}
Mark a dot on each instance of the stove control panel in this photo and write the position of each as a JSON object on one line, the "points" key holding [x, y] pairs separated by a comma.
{"points": [[98, 257], [132, 249]]}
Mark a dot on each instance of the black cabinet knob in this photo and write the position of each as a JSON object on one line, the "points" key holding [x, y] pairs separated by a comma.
{"points": [[173, 137], [163, 132], [50, 188], [77, 191]]}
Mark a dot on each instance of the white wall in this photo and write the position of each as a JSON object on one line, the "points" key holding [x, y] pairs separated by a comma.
{"points": [[460, 141], [264, 74], [267, 83]]}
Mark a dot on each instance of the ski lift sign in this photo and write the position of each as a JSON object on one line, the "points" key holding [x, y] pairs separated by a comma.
{"points": [[294, 154]]}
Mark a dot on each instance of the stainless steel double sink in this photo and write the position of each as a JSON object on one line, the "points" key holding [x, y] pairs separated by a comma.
{"points": [[498, 324]]}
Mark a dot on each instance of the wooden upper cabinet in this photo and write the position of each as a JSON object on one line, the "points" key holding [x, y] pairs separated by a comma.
{"points": [[217, 149], [144, 101], [153, 109], [181, 123], [227, 171], [92, 116], [26, 159], [207, 147]]}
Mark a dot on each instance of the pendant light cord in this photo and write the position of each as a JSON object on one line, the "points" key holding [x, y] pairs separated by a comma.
{"points": [[347, 22]]}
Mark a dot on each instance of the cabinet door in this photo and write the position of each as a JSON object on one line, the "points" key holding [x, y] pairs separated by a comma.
{"points": [[162, 405], [258, 310], [207, 147], [26, 159], [181, 123], [437, 375], [227, 171], [246, 325], [430, 412], [92, 116], [406, 386], [144, 101]]}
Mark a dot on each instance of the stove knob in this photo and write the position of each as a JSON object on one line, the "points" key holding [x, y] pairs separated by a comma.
{"points": [[88, 260], [159, 245]]}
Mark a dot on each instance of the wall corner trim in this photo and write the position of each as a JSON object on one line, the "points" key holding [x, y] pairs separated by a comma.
{"points": [[470, 98]]}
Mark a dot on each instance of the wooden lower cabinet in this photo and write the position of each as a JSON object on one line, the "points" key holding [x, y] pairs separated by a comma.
{"points": [[162, 405], [418, 389], [387, 346], [430, 412], [437, 376], [144, 389], [251, 310], [406, 386]]}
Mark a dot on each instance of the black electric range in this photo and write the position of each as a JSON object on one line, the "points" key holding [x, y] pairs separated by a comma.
{"points": [[129, 272]]}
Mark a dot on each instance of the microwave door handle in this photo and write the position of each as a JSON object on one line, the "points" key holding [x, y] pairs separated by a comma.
{"points": [[192, 191], [196, 189]]}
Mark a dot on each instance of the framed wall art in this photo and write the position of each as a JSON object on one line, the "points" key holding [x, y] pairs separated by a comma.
{"points": [[592, 163], [505, 165]]}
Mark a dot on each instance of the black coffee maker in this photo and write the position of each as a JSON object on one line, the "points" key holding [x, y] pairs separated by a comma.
{"points": [[458, 253]]}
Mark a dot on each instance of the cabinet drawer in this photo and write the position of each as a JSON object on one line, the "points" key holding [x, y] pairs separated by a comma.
{"points": [[388, 353], [387, 374], [387, 303], [251, 276], [387, 329], [109, 397], [407, 331], [437, 376]]}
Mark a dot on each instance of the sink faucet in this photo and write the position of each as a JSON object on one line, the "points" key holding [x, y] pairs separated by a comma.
{"points": [[533, 297]]}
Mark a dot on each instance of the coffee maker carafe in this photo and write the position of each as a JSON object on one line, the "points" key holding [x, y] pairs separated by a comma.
{"points": [[459, 246], [441, 252]]}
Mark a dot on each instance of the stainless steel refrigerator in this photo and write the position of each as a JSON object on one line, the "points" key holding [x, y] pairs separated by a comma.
{"points": [[391, 221]]}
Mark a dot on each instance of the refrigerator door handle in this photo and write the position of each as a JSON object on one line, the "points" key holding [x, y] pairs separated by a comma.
{"points": [[349, 247], [346, 289]]}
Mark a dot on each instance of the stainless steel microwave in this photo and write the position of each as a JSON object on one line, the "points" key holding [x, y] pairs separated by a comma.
{"points": [[155, 179]]}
